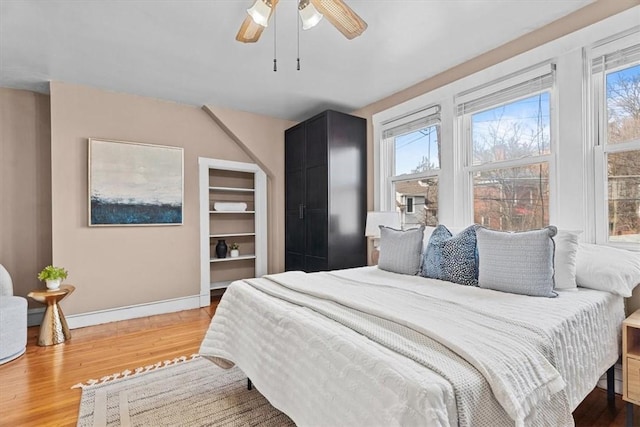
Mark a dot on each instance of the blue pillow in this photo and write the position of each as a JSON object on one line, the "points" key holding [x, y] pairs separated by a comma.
{"points": [[452, 258]]}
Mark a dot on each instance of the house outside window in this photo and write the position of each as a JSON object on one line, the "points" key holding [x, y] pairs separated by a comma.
{"points": [[410, 161], [615, 99], [507, 133]]}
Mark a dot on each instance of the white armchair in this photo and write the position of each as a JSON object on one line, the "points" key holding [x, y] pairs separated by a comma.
{"points": [[13, 320]]}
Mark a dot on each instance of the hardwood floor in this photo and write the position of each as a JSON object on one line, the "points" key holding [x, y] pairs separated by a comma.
{"points": [[35, 390]]}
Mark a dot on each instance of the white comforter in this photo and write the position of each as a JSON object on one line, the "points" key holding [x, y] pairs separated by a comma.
{"points": [[284, 347]]}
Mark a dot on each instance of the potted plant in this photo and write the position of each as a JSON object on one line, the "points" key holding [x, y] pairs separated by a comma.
{"points": [[53, 276], [235, 250]]}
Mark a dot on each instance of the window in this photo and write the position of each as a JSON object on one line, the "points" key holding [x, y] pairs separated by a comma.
{"points": [[409, 205], [507, 136], [410, 160], [616, 102]]}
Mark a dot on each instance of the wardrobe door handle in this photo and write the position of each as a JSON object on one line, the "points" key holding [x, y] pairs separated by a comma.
{"points": [[301, 211]]}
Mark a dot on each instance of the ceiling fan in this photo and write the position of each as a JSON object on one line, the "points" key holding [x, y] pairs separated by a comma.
{"points": [[311, 12]]}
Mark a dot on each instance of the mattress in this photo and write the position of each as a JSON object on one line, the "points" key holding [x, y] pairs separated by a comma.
{"points": [[320, 372]]}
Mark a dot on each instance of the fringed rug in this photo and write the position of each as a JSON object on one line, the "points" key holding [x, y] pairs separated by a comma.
{"points": [[181, 392]]}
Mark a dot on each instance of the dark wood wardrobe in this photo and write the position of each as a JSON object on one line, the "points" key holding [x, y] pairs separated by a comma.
{"points": [[326, 193]]}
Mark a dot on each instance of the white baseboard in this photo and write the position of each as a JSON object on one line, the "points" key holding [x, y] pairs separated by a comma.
{"points": [[602, 383], [34, 316], [205, 299], [132, 312]]}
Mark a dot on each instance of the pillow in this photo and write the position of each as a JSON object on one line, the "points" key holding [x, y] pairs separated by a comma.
{"points": [[451, 258], [565, 258], [400, 250], [607, 269], [519, 263], [428, 231]]}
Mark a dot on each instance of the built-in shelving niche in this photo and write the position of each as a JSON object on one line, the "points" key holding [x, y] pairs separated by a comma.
{"points": [[234, 182]]}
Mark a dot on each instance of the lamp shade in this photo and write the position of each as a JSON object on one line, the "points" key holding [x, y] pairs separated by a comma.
{"points": [[309, 15], [376, 219], [260, 12]]}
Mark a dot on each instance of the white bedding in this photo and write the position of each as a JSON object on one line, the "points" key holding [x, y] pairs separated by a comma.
{"points": [[322, 373]]}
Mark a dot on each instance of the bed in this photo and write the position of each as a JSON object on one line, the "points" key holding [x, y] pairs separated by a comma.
{"points": [[369, 347]]}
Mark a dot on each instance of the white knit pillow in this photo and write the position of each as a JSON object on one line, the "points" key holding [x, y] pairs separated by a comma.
{"points": [[400, 251], [519, 263]]}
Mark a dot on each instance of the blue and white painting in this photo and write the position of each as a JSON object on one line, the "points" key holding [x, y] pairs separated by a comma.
{"points": [[134, 184]]}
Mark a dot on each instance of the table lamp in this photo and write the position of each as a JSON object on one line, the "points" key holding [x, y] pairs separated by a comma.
{"points": [[372, 229]]}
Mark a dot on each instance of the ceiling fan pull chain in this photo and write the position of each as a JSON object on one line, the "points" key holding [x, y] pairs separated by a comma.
{"points": [[275, 60], [298, 28]]}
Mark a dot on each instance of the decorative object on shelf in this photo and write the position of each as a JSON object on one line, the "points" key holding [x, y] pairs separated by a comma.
{"points": [[221, 249], [134, 184], [235, 250], [52, 276], [372, 229], [230, 206]]}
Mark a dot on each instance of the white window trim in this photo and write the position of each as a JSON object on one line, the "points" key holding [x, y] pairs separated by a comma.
{"points": [[598, 196], [384, 159], [573, 197], [464, 140]]}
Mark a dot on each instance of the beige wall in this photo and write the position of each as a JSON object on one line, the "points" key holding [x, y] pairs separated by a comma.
{"points": [[584, 17], [25, 191], [122, 266]]}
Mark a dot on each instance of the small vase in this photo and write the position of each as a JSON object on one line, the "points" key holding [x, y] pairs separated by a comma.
{"points": [[221, 249], [53, 284], [235, 253]]}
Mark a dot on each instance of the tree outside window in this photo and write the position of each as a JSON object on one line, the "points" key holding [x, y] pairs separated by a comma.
{"points": [[623, 166], [516, 196]]}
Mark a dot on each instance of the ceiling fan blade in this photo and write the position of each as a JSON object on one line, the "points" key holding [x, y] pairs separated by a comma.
{"points": [[249, 31], [341, 16]]}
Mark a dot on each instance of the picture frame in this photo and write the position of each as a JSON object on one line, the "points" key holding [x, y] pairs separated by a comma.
{"points": [[134, 184]]}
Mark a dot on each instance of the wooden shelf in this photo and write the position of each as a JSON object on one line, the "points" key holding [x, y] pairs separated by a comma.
{"points": [[232, 212], [219, 285], [233, 189], [232, 235], [238, 258]]}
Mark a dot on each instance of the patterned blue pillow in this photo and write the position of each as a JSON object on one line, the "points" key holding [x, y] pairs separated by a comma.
{"points": [[452, 258]]}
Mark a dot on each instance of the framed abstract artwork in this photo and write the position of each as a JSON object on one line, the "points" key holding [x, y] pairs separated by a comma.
{"points": [[134, 184]]}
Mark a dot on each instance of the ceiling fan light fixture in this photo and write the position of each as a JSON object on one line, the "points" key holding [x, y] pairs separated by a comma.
{"points": [[308, 14], [260, 12]]}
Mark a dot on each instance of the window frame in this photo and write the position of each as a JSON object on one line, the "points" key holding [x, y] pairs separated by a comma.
{"points": [[464, 124], [596, 72], [387, 177]]}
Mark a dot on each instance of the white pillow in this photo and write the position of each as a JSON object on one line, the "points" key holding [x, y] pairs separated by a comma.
{"points": [[565, 258], [518, 263], [608, 269], [428, 231]]}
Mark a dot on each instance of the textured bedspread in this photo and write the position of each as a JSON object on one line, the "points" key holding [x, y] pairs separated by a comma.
{"points": [[383, 349]]}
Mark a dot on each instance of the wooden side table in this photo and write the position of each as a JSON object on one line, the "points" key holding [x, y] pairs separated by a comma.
{"points": [[54, 329], [631, 363]]}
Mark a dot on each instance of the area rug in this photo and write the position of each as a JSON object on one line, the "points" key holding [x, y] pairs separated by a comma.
{"points": [[181, 392]]}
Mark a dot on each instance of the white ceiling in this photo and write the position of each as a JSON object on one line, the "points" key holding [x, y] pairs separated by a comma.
{"points": [[185, 50]]}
